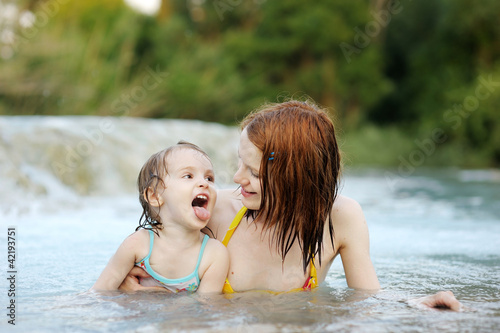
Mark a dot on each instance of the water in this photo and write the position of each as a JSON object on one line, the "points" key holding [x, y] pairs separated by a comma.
{"points": [[67, 186]]}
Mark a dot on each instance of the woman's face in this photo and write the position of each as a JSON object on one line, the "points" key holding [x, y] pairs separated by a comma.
{"points": [[248, 172]]}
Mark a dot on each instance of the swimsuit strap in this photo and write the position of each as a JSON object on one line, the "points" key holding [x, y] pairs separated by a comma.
{"points": [[237, 219], [227, 289], [164, 279], [312, 281], [205, 240], [151, 241]]}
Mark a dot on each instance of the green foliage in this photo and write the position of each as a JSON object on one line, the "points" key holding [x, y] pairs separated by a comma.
{"points": [[69, 64], [436, 53], [217, 60], [295, 48]]}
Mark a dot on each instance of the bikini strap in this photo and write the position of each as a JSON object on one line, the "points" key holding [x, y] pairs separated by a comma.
{"points": [[312, 280], [232, 227]]}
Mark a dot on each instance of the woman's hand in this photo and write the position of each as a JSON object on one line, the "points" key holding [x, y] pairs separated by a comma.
{"points": [[440, 300], [131, 281]]}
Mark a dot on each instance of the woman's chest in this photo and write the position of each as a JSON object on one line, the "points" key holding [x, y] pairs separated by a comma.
{"points": [[256, 264]]}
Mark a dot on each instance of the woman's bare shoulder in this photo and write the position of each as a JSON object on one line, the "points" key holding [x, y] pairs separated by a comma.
{"points": [[345, 208], [228, 194], [227, 205], [347, 216]]}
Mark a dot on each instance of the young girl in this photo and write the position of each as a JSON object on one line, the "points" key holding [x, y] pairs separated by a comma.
{"points": [[177, 194]]}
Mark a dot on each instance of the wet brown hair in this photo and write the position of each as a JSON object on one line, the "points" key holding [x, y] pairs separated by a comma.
{"points": [[151, 176], [299, 174]]}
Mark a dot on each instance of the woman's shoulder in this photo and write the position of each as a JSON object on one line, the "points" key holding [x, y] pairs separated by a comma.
{"points": [[228, 194], [348, 219], [347, 215], [227, 205], [345, 207]]}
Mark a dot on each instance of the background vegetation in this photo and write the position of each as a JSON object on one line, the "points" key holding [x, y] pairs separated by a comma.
{"points": [[401, 77]]}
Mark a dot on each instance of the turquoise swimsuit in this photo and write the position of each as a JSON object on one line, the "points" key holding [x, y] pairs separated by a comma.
{"points": [[190, 282]]}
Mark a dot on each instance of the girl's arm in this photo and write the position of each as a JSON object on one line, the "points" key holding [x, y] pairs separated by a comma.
{"points": [[352, 241], [215, 275], [119, 265]]}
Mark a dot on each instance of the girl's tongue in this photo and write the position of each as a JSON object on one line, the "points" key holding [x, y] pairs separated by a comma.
{"points": [[200, 202], [201, 212]]}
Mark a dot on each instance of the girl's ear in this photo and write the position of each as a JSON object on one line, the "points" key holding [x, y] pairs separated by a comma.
{"points": [[152, 197]]}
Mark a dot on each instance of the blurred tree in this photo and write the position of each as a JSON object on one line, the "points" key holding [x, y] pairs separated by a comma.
{"points": [[166, 10], [436, 51], [68, 59], [294, 47], [400, 63]]}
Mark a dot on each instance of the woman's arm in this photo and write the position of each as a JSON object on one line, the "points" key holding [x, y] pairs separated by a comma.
{"points": [[351, 236], [119, 265], [131, 281], [215, 275], [353, 244]]}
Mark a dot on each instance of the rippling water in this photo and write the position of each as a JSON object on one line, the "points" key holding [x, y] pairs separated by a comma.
{"points": [[434, 230]]}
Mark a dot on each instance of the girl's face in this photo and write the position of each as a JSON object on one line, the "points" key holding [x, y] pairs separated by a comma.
{"points": [[190, 195], [248, 172]]}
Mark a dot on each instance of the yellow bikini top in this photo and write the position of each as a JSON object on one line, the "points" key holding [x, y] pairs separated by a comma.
{"points": [[312, 281]]}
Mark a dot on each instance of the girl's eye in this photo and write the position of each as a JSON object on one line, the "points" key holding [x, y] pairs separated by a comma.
{"points": [[187, 176], [210, 179]]}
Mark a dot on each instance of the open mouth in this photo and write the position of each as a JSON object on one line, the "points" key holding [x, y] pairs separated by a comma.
{"points": [[201, 200], [200, 204]]}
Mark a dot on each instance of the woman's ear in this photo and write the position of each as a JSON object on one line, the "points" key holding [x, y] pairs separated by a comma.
{"points": [[153, 197]]}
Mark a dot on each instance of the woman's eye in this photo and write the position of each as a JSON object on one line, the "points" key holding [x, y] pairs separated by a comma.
{"points": [[254, 175]]}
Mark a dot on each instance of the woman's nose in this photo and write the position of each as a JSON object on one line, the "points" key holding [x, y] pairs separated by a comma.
{"points": [[238, 178]]}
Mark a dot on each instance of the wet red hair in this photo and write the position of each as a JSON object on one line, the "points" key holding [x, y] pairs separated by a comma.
{"points": [[299, 173]]}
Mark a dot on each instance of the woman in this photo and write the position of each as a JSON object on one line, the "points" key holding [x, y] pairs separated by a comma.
{"points": [[290, 222]]}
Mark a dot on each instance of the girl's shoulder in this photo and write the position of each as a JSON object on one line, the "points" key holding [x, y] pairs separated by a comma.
{"points": [[138, 242], [215, 248], [215, 253], [140, 235]]}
